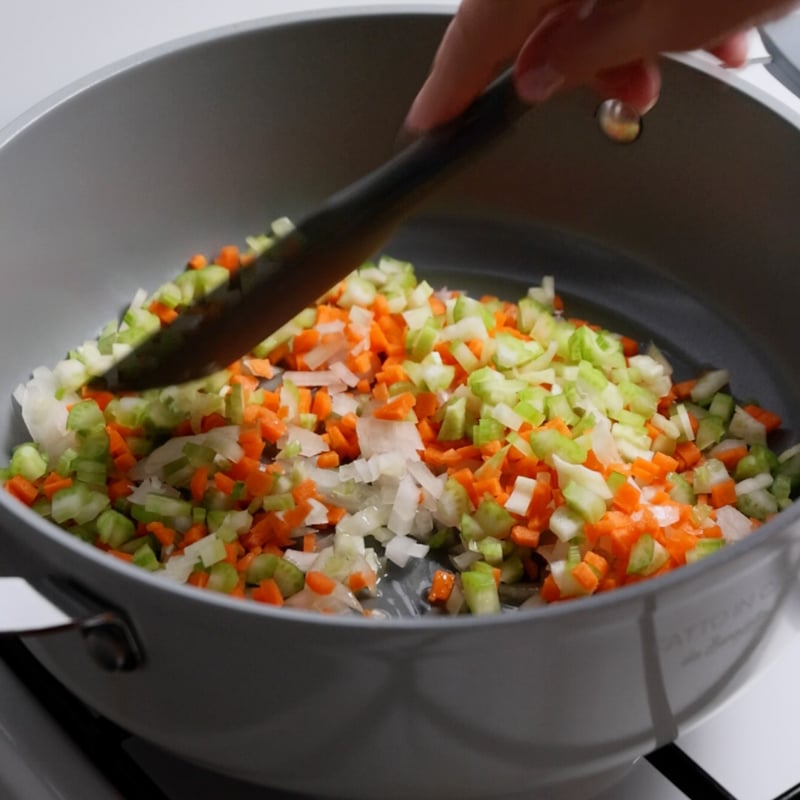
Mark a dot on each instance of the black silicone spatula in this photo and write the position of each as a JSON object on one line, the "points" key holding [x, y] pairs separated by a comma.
{"points": [[321, 250]]}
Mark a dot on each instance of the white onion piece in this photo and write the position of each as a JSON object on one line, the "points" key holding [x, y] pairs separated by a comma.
{"points": [[432, 484], [666, 514], [402, 548], [386, 436], [342, 402], [334, 349], [733, 523], [320, 377], [311, 444], [363, 522], [344, 374], [318, 514], [404, 508], [300, 559], [521, 495], [151, 485], [762, 481]]}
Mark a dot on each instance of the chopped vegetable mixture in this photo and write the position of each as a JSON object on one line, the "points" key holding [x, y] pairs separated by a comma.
{"points": [[534, 456]]}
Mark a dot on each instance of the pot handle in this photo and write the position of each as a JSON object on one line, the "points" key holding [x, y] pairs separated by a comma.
{"points": [[56, 604]]}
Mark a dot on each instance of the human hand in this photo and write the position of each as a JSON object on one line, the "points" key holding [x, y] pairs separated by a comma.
{"points": [[611, 45]]}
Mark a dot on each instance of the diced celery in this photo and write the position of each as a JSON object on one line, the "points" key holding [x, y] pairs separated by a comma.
{"points": [[722, 406], [709, 474], [758, 504], [743, 426], [289, 577], [453, 503], [681, 491], [512, 569], [703, 548], [549, 442], [222, 577], [567, 523], [28, 461], [709, 384], [85, 416], [585, 502], [453, 422], [145, 558], [261, 568], [114, 528], [493, 519], [758, 459], [167, 506], [491, 549], [647, 556], [470, 529], [710, 431], [480, 592]]}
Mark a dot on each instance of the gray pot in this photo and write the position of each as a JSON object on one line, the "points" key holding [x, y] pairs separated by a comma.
{"points": [[687, 236]]}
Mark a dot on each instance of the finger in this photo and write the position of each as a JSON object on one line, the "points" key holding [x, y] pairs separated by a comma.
{"points": [[620, 32], [732, 51], [637, 85], [483, 37]]}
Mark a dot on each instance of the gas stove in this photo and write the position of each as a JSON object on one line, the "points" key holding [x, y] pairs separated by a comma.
{"points": [[52, 747]]}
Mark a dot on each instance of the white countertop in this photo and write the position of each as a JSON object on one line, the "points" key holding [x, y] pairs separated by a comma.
{"points": [[48, 44]]}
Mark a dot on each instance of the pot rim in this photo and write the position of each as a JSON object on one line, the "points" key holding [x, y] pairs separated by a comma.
{"points": [[626, 595]]}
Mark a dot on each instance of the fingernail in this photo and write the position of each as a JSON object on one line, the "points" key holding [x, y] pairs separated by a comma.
{"points": [[539, 84], [585, 9]]}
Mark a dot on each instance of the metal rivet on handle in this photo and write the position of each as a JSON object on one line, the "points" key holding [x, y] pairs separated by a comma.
{"points": [[619, 121]]}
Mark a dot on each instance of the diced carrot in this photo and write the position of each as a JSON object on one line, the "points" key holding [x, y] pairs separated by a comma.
{"points": [[305, 340], [163, 533], [121, 555], [683, 389], [358, 581], [199, 484], [194, 533], [268, 592], [441, 587], [550, 592], [252, 442], [197, 261], [23, 489], [100, 396], [260, 367], [54, 483], [228, 257], [125, 462], [199, 579], [665, 463], [630, 347], [319, 582], [296, 516], [259, 482], [523, 536], [768, 419], [626, 498], [731, 456], [166, 314], [585, 576], [687, 454], [597, 563], [309, 542], [723, 493], [321, 405], [121, 487], [224, 482], [328, 460], [211, 421]]}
